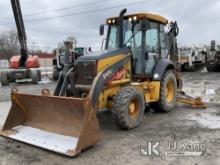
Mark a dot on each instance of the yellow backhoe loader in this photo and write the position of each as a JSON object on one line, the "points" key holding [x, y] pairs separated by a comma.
{"points": [[132, 73]]}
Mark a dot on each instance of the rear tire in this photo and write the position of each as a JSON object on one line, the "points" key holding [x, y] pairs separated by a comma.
{"points": [[128, 108], [34, 77], [39, 75], [4, 78], [56, 74], [210, 68], [168, 93], [11, 78]]}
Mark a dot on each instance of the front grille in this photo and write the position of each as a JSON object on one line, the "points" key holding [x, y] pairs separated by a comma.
{"points": [[85, 72]]}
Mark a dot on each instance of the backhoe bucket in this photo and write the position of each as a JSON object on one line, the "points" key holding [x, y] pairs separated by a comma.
{"points": [[63, 125]]}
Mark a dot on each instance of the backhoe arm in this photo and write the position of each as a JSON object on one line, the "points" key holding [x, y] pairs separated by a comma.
{"points": [[172, 42]]}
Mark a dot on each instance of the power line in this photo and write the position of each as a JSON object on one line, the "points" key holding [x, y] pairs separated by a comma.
{"points": [[42, 31], [87, 12], [66, 8], [73, 14], [59, 9], [84, 12]]}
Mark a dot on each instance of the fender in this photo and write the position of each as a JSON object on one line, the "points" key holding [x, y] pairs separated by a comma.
{"points": [[103, 76], [161, 67]]}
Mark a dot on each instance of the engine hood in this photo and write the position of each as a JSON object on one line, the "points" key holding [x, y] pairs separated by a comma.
{"points": [[102, 54]]}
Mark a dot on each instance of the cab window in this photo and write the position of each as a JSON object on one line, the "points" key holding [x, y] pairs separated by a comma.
{"points": [[152, 38]]}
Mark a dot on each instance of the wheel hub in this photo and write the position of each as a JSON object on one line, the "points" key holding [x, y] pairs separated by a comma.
{"points": [[169, 91], [133, 109]]}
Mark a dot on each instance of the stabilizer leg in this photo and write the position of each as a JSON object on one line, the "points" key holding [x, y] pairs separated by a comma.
{"points": [[183, 98]]}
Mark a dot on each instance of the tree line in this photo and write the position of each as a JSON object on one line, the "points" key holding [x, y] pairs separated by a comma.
{"points": [[9, 44]]}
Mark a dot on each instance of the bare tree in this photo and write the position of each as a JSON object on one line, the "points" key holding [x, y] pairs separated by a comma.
{"points": [[9, 44]]}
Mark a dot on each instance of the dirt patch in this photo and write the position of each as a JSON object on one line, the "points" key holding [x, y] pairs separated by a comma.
{"points": [[123, 147]]}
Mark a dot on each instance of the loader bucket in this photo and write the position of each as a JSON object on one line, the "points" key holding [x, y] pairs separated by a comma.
{"points": [[60, 124]]}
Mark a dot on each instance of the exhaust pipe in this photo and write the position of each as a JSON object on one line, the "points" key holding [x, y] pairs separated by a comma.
{"points": [[62, 82], [121, 29]]}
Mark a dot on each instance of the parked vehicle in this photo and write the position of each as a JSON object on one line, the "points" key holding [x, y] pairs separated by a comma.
{"points": [[191, 58], [59, 55], [213, 58]]}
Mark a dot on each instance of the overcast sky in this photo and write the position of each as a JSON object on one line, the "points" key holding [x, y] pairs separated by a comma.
{"points": [[199, 20]]}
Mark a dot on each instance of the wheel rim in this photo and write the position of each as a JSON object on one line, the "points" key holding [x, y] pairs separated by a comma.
{"points": [[170, 91], [133, 109]]}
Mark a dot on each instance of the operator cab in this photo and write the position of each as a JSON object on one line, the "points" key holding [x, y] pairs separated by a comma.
{"points": [[144, 35]]}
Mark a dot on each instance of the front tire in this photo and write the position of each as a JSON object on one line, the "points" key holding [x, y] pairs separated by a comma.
{"points": [[4, 78], [11, 77], [56, 74], [34, 77], [210, 68], [39, 75], [168, 93], [128, 108]]}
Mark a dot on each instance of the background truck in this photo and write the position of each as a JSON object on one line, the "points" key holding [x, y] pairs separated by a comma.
{"points": [[192, 58], [213, 58], [59, 55]]}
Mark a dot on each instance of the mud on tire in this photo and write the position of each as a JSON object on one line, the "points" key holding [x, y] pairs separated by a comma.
{"points": [[128, 108], [168, 93]]}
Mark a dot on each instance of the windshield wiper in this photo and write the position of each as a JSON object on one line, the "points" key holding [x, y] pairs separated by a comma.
{"points": [[132, 36]]}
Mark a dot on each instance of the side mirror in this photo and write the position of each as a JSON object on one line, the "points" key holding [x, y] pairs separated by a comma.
{"points": [[101, 30]]}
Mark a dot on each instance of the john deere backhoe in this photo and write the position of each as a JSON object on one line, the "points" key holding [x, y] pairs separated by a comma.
{"points": [[132, 73]]}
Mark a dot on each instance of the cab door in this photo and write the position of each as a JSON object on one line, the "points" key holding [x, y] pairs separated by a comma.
{"points": [[152, 47]]}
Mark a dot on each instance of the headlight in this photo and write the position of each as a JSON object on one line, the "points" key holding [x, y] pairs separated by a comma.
{"points": [[135, 18]]}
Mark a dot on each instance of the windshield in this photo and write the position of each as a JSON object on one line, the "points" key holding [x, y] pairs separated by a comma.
{"points": [[112, 41], [130, 28]]}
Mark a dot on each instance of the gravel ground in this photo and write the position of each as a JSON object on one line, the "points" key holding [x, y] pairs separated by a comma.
{"points": [[192, 129]]}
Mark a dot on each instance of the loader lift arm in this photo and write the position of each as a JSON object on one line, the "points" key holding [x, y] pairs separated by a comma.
{"points": [[21, 31]]}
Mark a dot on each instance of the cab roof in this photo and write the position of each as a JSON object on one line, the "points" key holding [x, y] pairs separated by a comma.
{"points": [[150, 16]]}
